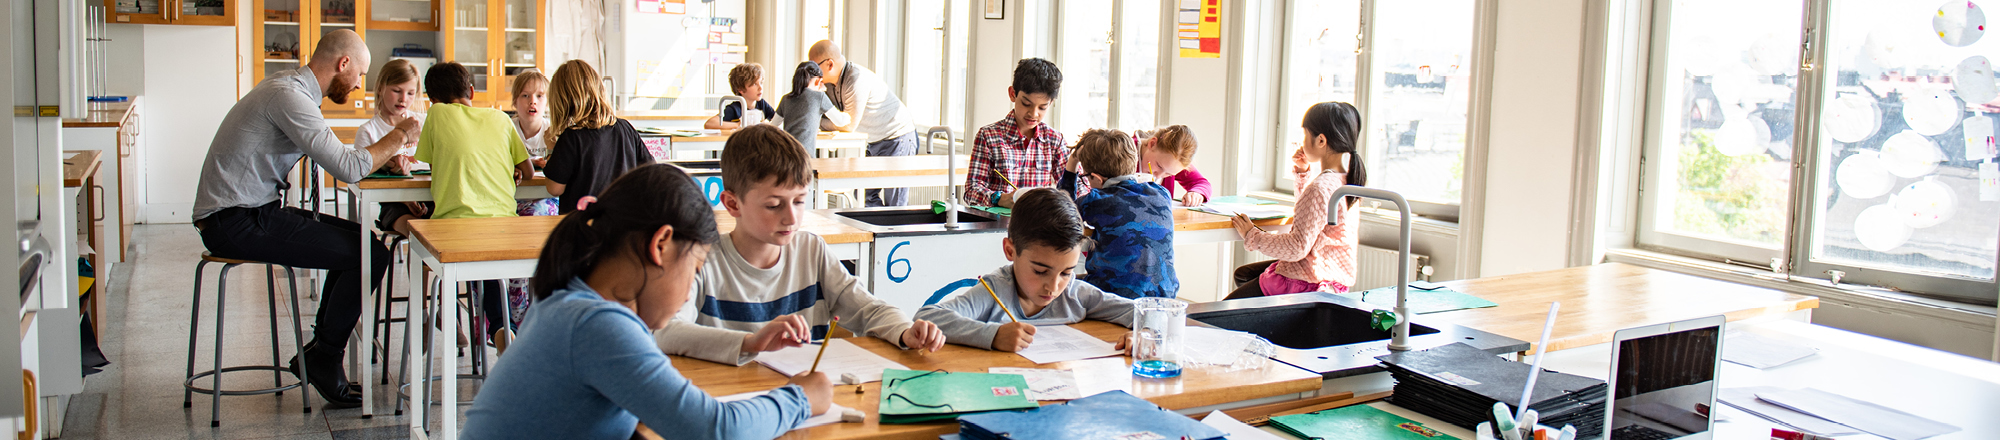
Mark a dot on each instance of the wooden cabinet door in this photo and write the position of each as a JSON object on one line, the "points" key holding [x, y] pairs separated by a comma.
{"points": [[137, 11], [204, 12], [277, 36]]}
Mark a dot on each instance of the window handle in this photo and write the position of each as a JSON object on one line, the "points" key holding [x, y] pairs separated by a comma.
{"points": [[1835, 276]]}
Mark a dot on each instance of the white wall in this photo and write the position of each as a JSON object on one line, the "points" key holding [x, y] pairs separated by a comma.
{"points": [[1532, 137], [189, 78], [1192, 99], [991, 69]]}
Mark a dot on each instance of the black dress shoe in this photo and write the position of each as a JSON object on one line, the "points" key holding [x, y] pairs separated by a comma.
{"points": [[330, 382]]}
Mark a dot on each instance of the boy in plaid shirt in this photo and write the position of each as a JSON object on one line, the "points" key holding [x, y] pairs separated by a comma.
{"points": [[1020, 151]]}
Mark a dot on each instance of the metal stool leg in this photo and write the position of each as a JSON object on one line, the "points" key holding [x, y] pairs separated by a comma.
{"points": [[221, 304], [298, 337], [271, 285], [194, 332]]}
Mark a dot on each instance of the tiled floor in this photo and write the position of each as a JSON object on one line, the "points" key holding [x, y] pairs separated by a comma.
{"points": [[146, 334]]}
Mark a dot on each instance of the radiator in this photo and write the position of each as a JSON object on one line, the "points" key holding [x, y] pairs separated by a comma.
{"points": [[1377, 268]]}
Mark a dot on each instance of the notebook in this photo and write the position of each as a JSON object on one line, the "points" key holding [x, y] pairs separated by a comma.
{"points": [[1358, 422], [1108, 415], [920, 396]]}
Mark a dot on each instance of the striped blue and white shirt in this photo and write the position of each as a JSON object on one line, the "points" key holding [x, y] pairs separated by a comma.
{"points": [[733, 298]]}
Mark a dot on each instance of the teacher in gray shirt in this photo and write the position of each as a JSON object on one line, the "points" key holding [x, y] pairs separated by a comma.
{"points": [[237, 208], [872, 109]]}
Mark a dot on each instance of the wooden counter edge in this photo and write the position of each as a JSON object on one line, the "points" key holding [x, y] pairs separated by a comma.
{"points": [[89, 170]]}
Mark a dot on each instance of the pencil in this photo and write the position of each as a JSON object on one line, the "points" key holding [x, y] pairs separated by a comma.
{"points": [[996, 300], [823, 343], [1003, 178]]}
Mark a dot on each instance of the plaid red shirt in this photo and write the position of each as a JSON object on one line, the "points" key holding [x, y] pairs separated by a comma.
{"points": [[1029, 161]]}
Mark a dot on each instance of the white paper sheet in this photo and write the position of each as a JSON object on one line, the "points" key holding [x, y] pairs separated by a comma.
{"points": [[1254, 211], [841, 357], [1057, 343], [1204, 345], [1235, 429], [1045, 384], [1746, 399], [1102, 375], [1858, 414], [832, 415], [1756, 351]]}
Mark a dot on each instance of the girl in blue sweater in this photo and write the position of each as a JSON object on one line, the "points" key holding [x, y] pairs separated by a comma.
{"points": [[586, 365]]}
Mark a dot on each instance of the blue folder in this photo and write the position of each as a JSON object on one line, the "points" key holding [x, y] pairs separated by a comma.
{"points": [[1109, 415]]}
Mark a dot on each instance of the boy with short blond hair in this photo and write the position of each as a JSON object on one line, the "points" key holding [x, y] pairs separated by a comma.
{"points": [[767, 285]]}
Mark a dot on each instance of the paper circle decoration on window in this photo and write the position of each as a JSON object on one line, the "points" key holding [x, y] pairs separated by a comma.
{"points": [[1863, 176], [1883, 49], [1926, 203], [1852, 118], [1880, 228], [1773, 55], [1959, 23], [1974, 81], [1700, 56], [1738, 134], [1910, 155], [1931, 113]]}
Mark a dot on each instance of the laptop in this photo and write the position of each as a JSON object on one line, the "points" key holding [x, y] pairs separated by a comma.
{"points": [[1663, 381]]}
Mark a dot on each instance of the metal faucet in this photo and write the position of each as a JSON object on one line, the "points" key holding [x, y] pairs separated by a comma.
{"points": [[951, 198], [1399, 337], [723, 103]]}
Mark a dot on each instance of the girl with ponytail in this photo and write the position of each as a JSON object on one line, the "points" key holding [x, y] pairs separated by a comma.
{"points": [[1311, 255], [610, 273]]}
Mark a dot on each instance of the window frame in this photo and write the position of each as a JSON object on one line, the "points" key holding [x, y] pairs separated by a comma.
{"points": [[1113, 113], [1281, 182], [1794, 256]]}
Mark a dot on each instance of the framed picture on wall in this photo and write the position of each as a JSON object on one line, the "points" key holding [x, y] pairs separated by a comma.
{"points": [[996, 9]]}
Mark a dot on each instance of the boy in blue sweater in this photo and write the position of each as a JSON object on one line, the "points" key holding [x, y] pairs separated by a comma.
{"points": [[1133, 215], [1043, 242]]}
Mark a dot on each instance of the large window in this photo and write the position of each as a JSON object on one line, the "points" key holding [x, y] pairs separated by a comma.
{"points": [[1414, 90], [1895, 101], [933, 78], [1102, 41]]}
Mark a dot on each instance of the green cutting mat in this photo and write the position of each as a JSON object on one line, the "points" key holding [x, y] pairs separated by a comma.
{"points": [[1423, 301], [1358, 422], [937, 207]]}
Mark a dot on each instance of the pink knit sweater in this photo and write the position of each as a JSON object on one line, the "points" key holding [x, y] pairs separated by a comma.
{"points": [[1310, 250]]}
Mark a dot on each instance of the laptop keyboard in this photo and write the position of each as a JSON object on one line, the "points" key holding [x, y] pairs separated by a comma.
{"points": [[1636, 432]]}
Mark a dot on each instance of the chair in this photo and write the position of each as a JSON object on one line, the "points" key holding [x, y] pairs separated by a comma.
{"points": [[215, 373]]}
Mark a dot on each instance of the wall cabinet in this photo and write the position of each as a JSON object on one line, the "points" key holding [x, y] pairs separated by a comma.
{"points": [[495, 39], [184, 12]]}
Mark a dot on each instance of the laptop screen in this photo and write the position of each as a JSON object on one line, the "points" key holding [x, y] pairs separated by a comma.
{"points": [[1665, 384]]}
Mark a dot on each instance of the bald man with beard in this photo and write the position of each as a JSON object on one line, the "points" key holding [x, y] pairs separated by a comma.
{"points": [[237, 205], [872, 109]]}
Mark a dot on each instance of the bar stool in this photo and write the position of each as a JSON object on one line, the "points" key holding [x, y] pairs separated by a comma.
{"points": [[221, 300], [399, 248]]}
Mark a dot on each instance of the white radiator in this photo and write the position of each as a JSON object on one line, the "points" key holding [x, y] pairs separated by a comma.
{"points": [[1377, 268]]}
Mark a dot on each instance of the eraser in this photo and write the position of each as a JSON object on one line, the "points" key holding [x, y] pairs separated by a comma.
{"points": [[849, 379], [852, 415]]}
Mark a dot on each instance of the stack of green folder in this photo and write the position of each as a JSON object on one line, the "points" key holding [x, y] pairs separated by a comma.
{"points": [[923, 396], [1358, 422]]}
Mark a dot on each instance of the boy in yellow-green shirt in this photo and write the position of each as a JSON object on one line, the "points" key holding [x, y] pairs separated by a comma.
{"points": [[476, 159]]}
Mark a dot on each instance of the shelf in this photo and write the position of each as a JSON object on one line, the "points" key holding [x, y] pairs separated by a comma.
{"points": [[469, 29], [518, 65], [281, 60], [281, 23], [337, 24], [472, 64], [527, 30], [411, 26]]}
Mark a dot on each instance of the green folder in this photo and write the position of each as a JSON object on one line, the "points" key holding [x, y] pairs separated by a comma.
{"points": [[1358, 422], [387, 176], [921, 396], [1441, 299]]}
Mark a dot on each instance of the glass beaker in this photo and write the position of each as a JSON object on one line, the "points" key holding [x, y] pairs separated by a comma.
{"points": [[1156, 336]]}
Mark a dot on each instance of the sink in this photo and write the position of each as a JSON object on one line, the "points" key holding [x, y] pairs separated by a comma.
{"points": [[908, 221], [1305, 326], [1329, 334]]}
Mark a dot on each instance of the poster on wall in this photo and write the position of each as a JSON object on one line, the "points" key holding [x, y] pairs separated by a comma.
{"points": [[661, 6], [1198, 28]]}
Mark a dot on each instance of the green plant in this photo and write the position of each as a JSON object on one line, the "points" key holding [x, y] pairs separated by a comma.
{"points": [[1728, 196]]}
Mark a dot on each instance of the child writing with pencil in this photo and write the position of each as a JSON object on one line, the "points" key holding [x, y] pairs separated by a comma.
{"points": [[1043, 242], [1020, 151], [1134, 219], [767, 285], [586, 366], [1168, 154], [1311, 255]]}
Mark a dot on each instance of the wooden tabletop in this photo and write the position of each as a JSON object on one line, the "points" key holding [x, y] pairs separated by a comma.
{"points": [[101, 114], [884, 166], [1200, 386], [424, 181], [1189, 220], [1601, 299], [81, 167], [346, 135], [663, 115], [521, 238]]}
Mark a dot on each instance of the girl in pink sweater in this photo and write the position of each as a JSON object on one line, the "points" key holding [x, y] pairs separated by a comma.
{"points": [[1311, 255], [1168, 154]]}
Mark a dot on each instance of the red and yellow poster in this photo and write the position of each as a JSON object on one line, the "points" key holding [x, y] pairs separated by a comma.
{"points": [[1198, 28], [661, 6]]}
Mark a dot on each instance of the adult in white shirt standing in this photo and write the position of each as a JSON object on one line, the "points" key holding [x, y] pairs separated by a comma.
{"points": [[872, 109]]}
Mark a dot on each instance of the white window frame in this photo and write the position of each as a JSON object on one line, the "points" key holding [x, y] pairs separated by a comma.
{"points": [[1793, 259], [1118, 32]]}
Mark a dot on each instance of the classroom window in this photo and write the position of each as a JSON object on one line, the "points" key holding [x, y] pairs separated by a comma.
{"points": [[1895, 115], [1419, 69], [1138, 65], [1084, 53], [1319, 63], [1723, 114], [933, 81]]}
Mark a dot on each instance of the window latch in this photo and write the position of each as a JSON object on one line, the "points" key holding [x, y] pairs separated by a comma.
{"points": [[1835, 276]]}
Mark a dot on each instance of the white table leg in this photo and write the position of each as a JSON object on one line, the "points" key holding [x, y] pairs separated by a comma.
{"points": [[362, 212], [413, 315], [447, 339]]}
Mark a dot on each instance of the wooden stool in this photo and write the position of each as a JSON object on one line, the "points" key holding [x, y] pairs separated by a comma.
{"points": [[215, 374]]}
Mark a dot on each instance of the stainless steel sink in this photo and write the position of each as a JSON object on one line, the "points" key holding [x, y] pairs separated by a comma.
{"points": [[1329, 334], [906, 221]]}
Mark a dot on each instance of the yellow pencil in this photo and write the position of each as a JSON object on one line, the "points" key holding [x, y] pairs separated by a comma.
{"points": [[823, 343], [996, 300], [1003, 178]]}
